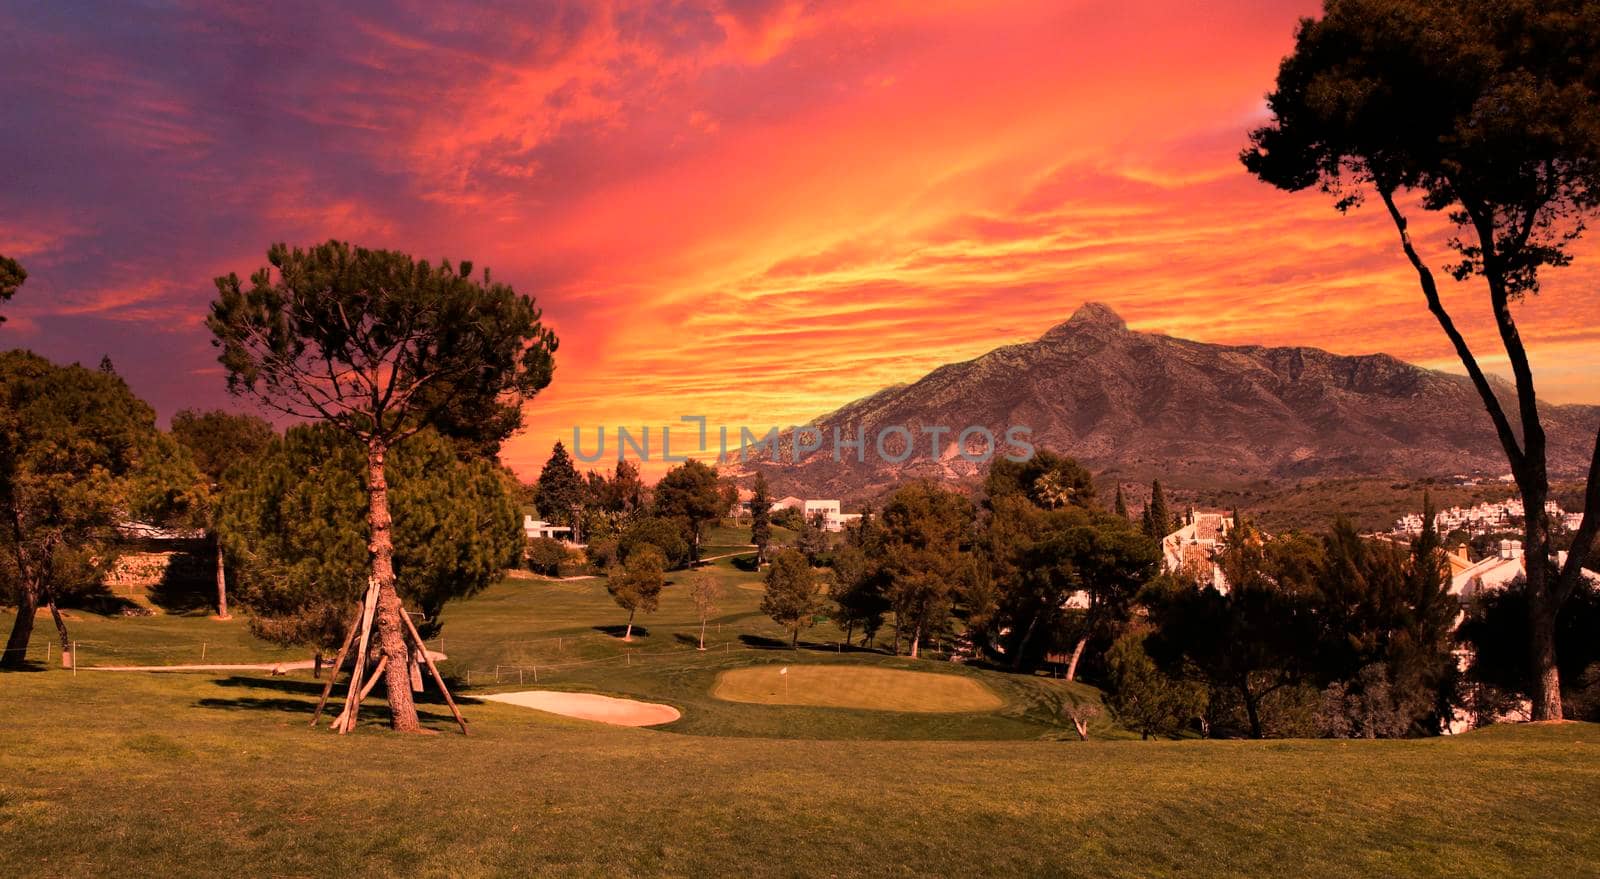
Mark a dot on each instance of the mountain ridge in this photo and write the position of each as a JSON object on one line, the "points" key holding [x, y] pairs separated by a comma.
{"points": [[1139, 405]]}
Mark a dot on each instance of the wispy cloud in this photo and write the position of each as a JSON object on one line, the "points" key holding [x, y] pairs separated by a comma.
{"points": [[754, 210]]}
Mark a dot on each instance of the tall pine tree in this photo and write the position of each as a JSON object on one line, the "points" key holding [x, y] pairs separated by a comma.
{"points": [[559, 492], [760, 518]]}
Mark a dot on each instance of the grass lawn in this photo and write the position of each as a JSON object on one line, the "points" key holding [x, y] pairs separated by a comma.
{"points": [[203, 775], [855, 686], [193, 774]]}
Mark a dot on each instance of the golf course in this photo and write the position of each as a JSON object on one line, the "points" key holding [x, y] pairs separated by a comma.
{"points": [[958, 770]]}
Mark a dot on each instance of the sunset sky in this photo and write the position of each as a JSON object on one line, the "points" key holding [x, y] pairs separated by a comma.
{"points": [[752, 211]]}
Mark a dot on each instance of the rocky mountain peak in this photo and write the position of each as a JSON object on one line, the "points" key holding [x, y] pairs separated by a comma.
{"points": [[1090, 317]]}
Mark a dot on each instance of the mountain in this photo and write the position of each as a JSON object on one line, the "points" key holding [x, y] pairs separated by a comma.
{"points": [[1141, 405]]}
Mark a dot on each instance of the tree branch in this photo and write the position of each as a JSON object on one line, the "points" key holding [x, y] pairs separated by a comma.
{"points": [[1588, 527], [1430, 289], [1533, 439]]}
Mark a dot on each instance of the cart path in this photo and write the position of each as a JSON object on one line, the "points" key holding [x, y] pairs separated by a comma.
{"points": [[293, 665]]}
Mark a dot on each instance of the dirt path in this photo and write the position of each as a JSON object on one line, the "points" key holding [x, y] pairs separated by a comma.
{"points": [[726, 555], [278, 667]]}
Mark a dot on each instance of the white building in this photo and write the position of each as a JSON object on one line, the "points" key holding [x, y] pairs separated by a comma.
{"points": [[791, 502], [1193, 549], [826, 510], [1481, 519], [1508, 567], [540, 528], [833, 519]]}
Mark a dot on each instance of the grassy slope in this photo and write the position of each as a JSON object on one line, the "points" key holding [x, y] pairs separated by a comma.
{"points": [[201, 775]]}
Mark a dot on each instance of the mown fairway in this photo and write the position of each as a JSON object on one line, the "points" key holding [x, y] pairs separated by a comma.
{"points": [[840, 686], [216, 773], [201, 775]]}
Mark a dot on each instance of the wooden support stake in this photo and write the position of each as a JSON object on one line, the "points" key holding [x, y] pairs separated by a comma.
{"points": [[437, 678], [338, 664], [348, 720], [352, 705]]}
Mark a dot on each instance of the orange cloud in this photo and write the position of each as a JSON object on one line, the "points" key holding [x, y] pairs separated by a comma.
{"points": [[751, 210]]}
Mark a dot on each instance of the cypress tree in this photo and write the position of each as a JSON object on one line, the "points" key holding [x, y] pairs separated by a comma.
{"points": [[1157, 518], [1122, 503], [760, 518]]}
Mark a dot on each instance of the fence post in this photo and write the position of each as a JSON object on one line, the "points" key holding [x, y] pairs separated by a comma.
{"points": [[202, 651], [536, 674], [519, 676], [74, 659], [469, 678]]}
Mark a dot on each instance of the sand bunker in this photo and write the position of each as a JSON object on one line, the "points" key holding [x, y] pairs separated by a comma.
{"points": [[591, 706]]}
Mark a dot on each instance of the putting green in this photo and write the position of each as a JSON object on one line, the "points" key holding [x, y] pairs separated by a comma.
{"points": [[848, 686]]}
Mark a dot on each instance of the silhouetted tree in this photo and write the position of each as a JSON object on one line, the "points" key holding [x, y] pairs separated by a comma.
{"points": [[1145, 698], [1485, 110], [1254, 640], [12, 274]]}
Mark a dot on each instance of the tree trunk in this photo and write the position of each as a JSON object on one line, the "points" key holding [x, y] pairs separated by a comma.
{"points": [[916, 639], [702, 633], [402, 710], [1528, 458], [1251, 709], [16, 655], [69, 657], [1077, 654], [316, 664], [222, 581], [628, 635], [1027, 639], [1545, 687]]}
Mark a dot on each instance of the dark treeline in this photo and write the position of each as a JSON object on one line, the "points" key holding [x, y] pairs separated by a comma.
{"points": [[1330, 634]]}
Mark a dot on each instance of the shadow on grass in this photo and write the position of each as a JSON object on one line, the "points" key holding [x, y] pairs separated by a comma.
{"points": [[180, 591], [307, 693], [639, 631], [99, 599]]}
